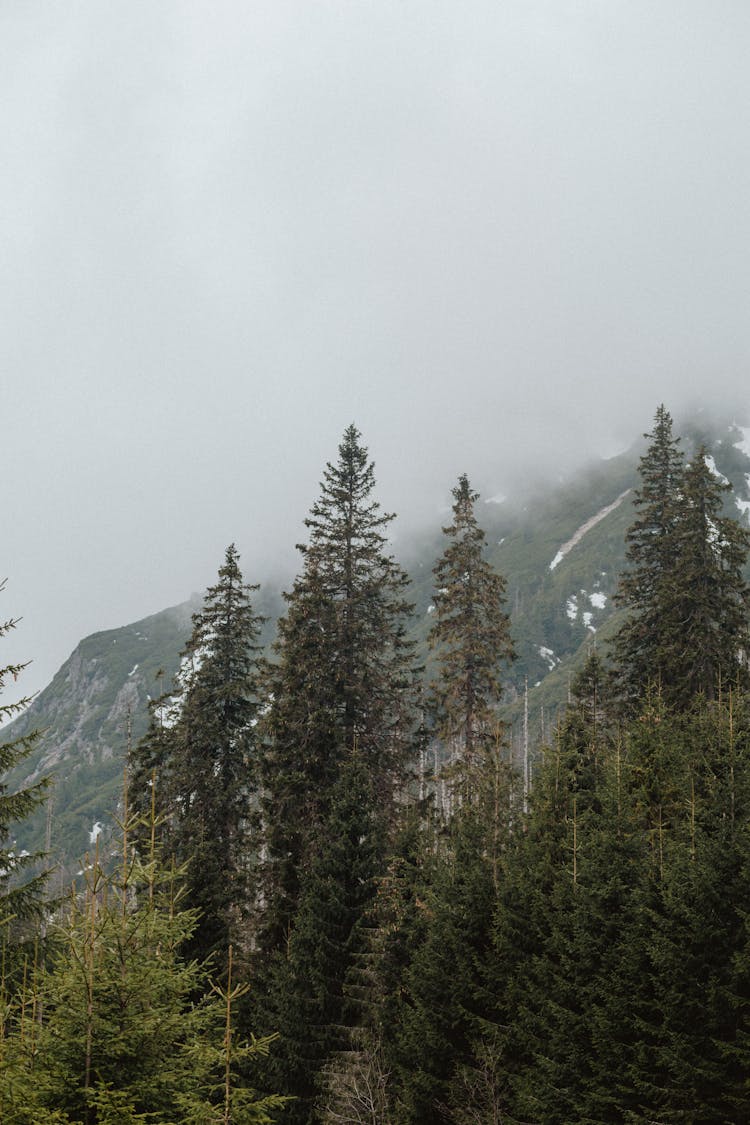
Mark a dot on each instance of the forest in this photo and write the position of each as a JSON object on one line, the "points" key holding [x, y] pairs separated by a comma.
{"points": [[334, 897]]}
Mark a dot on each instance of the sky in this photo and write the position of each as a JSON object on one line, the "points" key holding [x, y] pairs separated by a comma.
{"points": [[494, 235]]}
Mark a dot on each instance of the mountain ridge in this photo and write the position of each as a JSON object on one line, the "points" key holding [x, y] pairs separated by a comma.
{"points": [[561, 553]]}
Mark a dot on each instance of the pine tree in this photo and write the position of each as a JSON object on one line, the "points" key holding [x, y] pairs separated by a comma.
{"points": [[443, 999], [692, 910], [202, 747], [563, 902], [706, 606], [307, 1001], [344, 678], [651, 558], [471, 634], [118, 1006], [585, 837], [396, 927], [19, 899], [441, 985], [359, 1081], [687, 600], [119, 1026], [734, 1040]]}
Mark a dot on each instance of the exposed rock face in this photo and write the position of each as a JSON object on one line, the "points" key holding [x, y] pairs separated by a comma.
{"points": [[83, 718]]}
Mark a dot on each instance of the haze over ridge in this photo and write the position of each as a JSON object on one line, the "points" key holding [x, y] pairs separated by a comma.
{"points": [[495, 238]]}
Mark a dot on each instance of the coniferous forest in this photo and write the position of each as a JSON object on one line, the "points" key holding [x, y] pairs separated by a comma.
{"points": [[335, 897]]}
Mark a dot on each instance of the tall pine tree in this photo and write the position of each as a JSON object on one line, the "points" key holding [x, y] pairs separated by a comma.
{"points": [[471, 636], [202, 748], [651, 556], [706, 612], [686, 630], [441, 988], [344, 678], [19, 898]]}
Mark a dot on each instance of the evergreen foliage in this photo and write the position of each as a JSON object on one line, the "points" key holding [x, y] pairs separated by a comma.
{"points": [[684, 589], [360, 1080], [536, 1031], [119, 1027], [471, 633], [442, 1002], [201, 752], [339, 735], [651, 557], [344, 678], [615, 978], [20, 899], [706, 611], [581, 959], [307, 1001], [441, 987], [436, 939]]}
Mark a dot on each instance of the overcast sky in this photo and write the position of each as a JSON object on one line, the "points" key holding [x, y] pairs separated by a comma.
{"points": [[493, 234]]}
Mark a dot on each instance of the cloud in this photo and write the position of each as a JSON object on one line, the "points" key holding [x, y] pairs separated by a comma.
{"points": [[495, 236]]}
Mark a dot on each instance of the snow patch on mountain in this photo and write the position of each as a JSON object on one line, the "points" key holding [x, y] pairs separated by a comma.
{"points": [[548, 655], [744, 446], [712, 466], [585, 527], [744, 443], [574, 606], [169, 708]]}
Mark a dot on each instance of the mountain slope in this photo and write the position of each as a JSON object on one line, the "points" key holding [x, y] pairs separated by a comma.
{"points": [[561, 553], [83, 717]]}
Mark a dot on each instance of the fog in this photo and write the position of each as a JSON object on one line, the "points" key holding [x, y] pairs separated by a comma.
{"points": [[495, 235]]}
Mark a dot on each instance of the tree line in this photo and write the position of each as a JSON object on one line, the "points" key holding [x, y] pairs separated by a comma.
{"points": [[304, 925]]}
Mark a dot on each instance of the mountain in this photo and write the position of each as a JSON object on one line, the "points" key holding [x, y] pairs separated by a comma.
{"points": [[560, 550], [95, 704]]}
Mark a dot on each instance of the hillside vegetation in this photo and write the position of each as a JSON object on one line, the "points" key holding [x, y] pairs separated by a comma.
{"points": [[466, 845]]}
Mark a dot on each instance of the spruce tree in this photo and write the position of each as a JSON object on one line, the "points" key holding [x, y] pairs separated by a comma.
{"points": [[651, 558], [471, 635], [692, 911], [687, 601], [19, 899], [471, 638], [442, 1000], [560, 929], [118, 1025], [442, 990], [344, 679], [584, 850], [706, 629], [733, 1041], [202, 748], [307, 1002]]}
